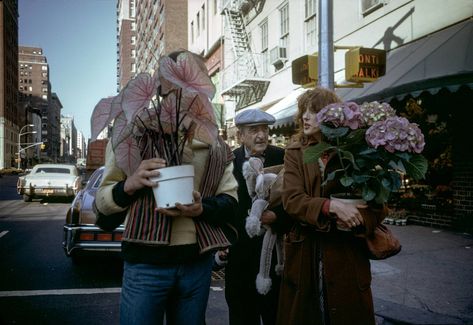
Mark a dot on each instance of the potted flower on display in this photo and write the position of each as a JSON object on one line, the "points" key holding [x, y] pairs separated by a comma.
{"points": [[159, 115], [373, 148]]}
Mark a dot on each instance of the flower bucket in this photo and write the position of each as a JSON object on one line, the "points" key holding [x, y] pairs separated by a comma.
{"points": [[175, 184], [352, 200]]}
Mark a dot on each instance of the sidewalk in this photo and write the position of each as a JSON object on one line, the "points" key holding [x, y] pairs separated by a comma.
{"points": [[429, 282]]}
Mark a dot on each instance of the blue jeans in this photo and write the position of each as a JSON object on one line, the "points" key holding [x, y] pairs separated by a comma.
{"points": [[180, 291]]}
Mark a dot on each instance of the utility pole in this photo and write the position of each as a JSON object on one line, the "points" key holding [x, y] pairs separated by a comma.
{"points": [[326, 78]]}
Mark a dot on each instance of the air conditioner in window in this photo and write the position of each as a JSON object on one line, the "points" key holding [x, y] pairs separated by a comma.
{"points": [[278, 56]]}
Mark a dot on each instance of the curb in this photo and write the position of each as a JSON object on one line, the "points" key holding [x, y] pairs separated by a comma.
{"points": [[402, 315]]}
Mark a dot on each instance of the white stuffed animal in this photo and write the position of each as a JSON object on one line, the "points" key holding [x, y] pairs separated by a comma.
{"points": [[259, 188]]}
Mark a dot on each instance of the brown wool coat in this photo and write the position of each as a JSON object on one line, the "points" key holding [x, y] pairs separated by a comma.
{"points": [[346, 275]]}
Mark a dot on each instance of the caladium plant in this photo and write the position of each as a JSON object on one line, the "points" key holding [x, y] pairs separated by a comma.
{"points": [[157, 116]]}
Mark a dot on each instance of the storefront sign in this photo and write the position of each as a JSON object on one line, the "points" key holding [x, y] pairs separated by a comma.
{"points": [[364, 64]]}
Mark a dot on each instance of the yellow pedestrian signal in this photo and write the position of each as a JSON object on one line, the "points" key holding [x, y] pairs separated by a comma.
{"points": [[304, 70]]}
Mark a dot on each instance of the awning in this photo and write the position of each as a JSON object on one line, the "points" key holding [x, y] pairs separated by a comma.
{"points": [[440, 60], [285, 109]]}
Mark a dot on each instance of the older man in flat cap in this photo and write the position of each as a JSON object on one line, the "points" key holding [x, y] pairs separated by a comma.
{"points": [[246, 306]]}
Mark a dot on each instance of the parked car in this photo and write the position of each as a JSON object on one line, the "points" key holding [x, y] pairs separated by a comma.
{"points": [[49, 180], [80, 232]]}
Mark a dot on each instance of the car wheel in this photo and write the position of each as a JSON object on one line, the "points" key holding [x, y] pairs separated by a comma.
{"points": [[26, 198]]}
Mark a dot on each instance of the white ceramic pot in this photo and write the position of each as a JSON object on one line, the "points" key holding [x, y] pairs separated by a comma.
{"points": [[352, 201], [175, 185]]}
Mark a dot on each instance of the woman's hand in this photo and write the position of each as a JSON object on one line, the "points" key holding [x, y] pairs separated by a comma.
{"points": [[348, 216], [192, 210], [140, 178], [268, 217]]}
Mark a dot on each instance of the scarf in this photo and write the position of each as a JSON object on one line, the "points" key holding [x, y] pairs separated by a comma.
{"points": [[146, 226]]}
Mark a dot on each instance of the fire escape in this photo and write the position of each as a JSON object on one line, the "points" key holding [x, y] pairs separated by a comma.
{"points": [[243, 79]]}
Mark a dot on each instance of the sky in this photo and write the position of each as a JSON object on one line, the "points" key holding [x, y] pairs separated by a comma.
{"points": [[78, 38]]}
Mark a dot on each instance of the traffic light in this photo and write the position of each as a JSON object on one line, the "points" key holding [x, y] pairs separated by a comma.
{"points": [[43, 146]]}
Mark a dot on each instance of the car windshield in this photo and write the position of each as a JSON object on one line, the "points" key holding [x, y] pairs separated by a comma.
{"points": [[53, 170]]}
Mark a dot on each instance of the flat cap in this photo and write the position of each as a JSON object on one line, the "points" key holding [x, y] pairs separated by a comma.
{"points": [[254, 116]]}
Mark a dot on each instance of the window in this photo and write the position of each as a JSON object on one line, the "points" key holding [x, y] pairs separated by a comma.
{"points": [[203, 17], [44, 68], [264, 35], [284, 26], [309, 8], [198, 24], [310, 24], [368, 6], [44, 97]]}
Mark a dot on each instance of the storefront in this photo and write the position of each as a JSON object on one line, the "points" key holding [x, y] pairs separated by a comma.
{"points": [[431, 81]]}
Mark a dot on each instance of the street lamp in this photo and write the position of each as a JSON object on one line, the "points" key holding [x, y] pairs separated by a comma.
{"points": [[19, 141]]}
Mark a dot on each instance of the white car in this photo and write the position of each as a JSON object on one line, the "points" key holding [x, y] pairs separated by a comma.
{"points": [[46, 180]]}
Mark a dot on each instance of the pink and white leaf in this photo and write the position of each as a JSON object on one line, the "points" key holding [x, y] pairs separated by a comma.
{"points": [[168, 113], [120, 130], [204, 130], [199, 106], [127, 155], [186, 73], [100, 116], [138, 94]]}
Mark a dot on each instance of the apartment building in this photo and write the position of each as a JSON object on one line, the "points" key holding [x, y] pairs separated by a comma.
{"points": [[126, 42], [204, 23], [10, 122], [159, 30], [68, 150], [35, 93]]}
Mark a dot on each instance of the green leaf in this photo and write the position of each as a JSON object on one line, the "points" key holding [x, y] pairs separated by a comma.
{"points": [[387, 184], [416, 166], [360, 179], [383, 196], [356, 136], [346, 181], [399, 166], [368, 194], [313, 153], [347, 155], [368, 151], [333, 133]]}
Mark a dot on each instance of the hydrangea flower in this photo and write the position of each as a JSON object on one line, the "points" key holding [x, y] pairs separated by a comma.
{"points": [[373, 112], [345, 114], [396, 134]]}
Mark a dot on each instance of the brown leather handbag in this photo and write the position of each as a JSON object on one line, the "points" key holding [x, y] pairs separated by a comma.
{"points": [[382, 243]]}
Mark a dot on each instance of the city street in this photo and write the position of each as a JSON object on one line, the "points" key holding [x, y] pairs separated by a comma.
{"points": [[429, 282], [40, 285]]}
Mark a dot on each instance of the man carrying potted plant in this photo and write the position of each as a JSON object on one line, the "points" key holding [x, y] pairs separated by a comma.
{"points": [[245, 304], [167, 252]]}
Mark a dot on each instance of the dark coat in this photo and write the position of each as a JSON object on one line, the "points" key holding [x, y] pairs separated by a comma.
{"points": [[245, 304], [346, 268]]}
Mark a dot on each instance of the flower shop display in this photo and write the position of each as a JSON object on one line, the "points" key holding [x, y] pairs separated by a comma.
{"points": [[373, 148]]}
